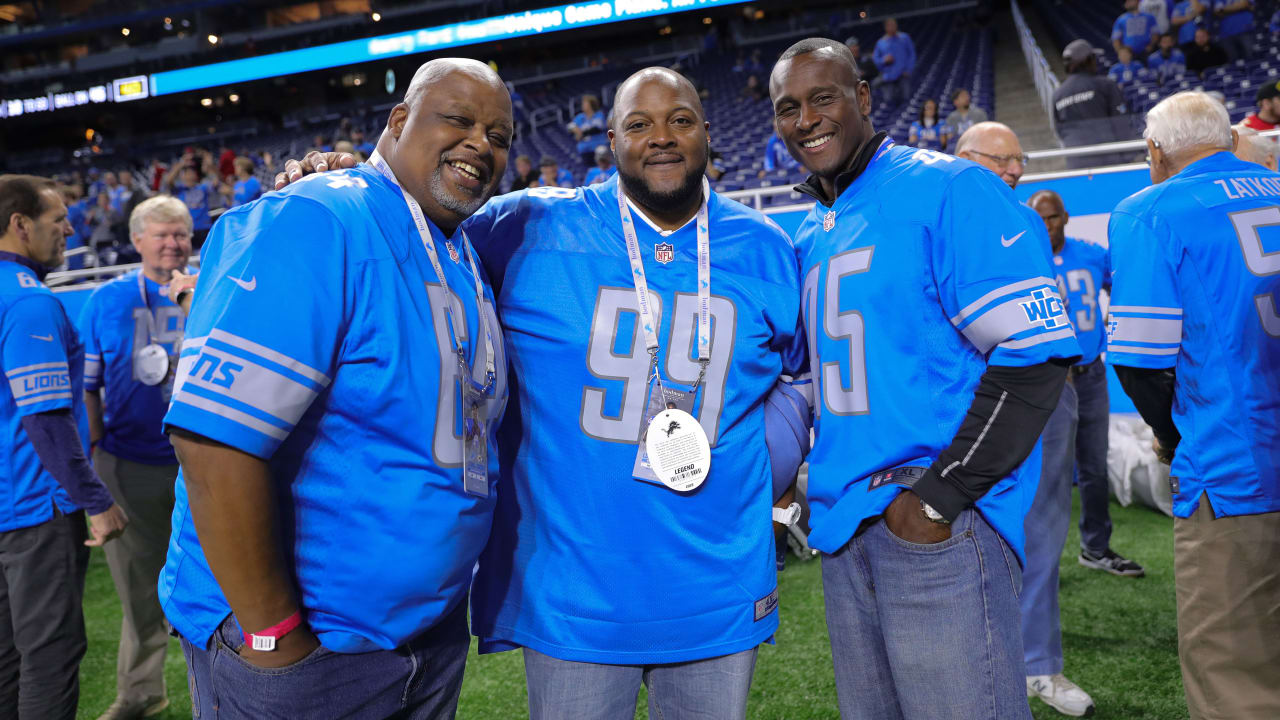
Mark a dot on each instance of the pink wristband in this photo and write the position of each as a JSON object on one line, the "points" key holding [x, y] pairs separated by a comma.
{"points": [[265, 640]]}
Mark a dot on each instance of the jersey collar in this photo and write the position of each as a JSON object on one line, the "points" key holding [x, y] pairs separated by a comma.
{"points": [[861, 160], [1221, 160], [26, 262]]}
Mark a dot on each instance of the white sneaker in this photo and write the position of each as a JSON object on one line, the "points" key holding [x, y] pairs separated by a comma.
{"points": [[1060, 694]]}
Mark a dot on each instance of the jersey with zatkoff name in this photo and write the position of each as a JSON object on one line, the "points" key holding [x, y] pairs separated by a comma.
{"points": [[1083, 271], [1197, 289], [43, 363], [923, 271], [115, 327], [587, 563], [318, 341]]}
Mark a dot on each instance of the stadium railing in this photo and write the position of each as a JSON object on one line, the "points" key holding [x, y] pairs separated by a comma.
{"points": [[1046, 82]]}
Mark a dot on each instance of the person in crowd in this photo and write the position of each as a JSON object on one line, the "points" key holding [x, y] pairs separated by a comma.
{"points": [[524, 174], [111, 186], [753, 90], [361, 145], [101, 219], [1202, 53], [320, 143], [965, 115], [1274, 26], [1135, 30], [247, 186], [1089, 108], [75, 216], [48, 485], [1267, 115], [588, 128], [1234, 19], [550, 174], [1126, 68], [1168, 61], [776, 156], [1188, 15], [928, 132], [268, 612], [1252, 147], [895, 55], [603, 169], [132, 334], [1158, 9], [184, 182], [898, 500], [866, 65], [344, 146], [1193, 336]]}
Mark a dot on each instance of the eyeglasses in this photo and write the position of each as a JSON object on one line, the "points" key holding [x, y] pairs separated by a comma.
{"points": [[1004, 160]]}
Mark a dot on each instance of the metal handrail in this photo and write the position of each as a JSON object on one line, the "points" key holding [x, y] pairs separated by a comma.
{"points": [[57, 280], [1046, 81]]}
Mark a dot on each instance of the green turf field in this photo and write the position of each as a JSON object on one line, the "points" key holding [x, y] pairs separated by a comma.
{"points": [[1119, 637]]}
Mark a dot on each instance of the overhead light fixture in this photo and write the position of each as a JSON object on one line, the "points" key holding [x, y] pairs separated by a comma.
{"points": [[376, 17], [706, 21], [213, 39], [206, 101], [233, 98], [124, 32]]}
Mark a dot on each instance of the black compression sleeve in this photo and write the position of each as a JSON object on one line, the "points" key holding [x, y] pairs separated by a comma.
{"points": [[1152, 394], [57, 442], [1010, 408]]}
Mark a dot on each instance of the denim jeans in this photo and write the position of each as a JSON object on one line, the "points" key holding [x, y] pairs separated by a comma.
{"points": [[419, 681], [1046, 526], [711, 689], [926, 631], [1091, 457]]}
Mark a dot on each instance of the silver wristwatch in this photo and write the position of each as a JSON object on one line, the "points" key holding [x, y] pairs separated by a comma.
{"points": [[933, 515]]}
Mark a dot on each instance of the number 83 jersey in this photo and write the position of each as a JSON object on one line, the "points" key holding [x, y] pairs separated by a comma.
{"points": [[922, 272], [585, 562]]}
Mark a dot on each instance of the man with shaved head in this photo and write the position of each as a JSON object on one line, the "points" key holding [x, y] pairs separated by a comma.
{"points": [[342, 373], [939, 348], [645, 294]]}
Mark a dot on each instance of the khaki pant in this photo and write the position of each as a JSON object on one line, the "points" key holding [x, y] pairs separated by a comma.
{"points": [[1227, 573], [145, 493]]}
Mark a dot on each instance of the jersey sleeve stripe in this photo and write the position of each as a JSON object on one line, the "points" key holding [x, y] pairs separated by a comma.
{"points": [[1010, 289], [223, 350], [1042, 337], [1141, 350], [63, 395], [239, 379], [27, 369], [228, 413], [1126, 329], [232, 403], [997, 324], [193, 344], [38, 383], [1144, 310], [268, 354]]}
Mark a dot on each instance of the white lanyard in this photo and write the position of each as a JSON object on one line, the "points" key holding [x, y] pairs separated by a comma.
{"points": [[642, 286], [420, 222], [152, 334]]}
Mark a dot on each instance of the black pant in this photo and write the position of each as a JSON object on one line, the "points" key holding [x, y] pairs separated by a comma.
{"points": [[42, 640]]}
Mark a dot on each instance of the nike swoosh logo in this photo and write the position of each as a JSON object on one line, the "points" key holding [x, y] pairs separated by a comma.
{"points": [[46, 338], [247, 285], [1011, 240]]}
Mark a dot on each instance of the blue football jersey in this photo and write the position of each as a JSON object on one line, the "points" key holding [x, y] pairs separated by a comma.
{"points": [[1083, 271], [318, 341], [115, 327], [1196, 288], [923, 271], [43, 361], [587, 563]]}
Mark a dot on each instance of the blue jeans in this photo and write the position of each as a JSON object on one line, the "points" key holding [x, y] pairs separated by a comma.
{"points": [[711, 689], [1091, 457], [1046, 525], [419, 681], [926, 631]]}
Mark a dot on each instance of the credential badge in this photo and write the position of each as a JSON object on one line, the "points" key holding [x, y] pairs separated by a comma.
{"points": [[664, 252], [829, 220]]}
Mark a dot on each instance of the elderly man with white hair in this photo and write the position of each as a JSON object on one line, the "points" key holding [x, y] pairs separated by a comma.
{"points": [[132, 333], [1194, 334], [1254, 148]]}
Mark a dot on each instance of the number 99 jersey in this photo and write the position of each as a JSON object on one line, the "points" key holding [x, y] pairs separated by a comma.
{"points": [[1197, 280], [922, 272]]}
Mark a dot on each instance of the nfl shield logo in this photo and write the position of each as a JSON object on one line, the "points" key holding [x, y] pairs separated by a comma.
{"points": [[829, 220], [664, 252], [453, 251]]}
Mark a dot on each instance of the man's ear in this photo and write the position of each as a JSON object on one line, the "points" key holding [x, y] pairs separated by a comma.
{"points": [[1235, 141], [396, 122]]}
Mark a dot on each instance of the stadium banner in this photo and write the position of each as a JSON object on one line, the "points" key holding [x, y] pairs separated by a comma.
{"points": [[500, 27]]}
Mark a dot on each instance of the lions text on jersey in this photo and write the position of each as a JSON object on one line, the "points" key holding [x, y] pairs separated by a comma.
{"points": [[1197, 289], [920, 274], [319, 342], [587, 563]]}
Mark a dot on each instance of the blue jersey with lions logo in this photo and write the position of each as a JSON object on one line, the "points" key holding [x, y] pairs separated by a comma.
{"points": [[587, 563], [920, 274]]}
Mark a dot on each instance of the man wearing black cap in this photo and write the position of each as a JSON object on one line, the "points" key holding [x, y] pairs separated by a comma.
{"points": [[1088, 108], [1267, 116]]}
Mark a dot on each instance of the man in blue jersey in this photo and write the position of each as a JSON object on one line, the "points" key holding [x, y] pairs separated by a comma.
{"points": [[337, 390], [938, 346], [1194, 336], [132, 334], [673, 589], [46, 483]]}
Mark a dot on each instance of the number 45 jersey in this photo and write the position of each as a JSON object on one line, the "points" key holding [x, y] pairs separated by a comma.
{"points": [[585, 562], [922, 272]]}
